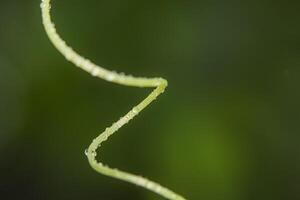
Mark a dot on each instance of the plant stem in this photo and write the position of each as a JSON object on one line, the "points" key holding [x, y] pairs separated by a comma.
{"points": [[158, 83]]}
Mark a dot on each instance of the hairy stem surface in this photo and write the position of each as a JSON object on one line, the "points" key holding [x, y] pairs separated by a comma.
{"points": [[158, 83]]}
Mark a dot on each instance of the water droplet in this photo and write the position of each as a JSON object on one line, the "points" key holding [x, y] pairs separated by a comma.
{"points": [[95, 71], [135, 110], [94, 154], [110, 77]]}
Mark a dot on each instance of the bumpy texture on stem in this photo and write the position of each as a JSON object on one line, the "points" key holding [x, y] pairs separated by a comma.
{"points": [[158, 83]]}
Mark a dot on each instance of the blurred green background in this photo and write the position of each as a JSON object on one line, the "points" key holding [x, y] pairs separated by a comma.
{"points": [[227, 127]]}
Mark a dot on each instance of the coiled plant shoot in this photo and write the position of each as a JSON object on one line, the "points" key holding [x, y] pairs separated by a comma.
{"points": [[159, 85]]}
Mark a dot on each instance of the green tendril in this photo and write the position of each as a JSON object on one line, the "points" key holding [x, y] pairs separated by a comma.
{"points": [[158, 83]]}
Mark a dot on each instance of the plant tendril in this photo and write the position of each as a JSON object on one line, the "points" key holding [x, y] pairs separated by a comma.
{"points": [[158, 83]]}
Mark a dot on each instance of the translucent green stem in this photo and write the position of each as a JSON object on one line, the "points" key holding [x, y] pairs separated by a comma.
{"points": [[158, 83]]}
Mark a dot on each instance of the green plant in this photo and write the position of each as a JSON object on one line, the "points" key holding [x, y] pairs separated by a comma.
{"points": [[158, 83]]}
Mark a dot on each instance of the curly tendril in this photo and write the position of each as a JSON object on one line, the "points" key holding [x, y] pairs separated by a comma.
{"points": [[158, 83]]}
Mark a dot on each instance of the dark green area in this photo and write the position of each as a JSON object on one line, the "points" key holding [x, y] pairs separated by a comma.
{"points": [[227, 127]]}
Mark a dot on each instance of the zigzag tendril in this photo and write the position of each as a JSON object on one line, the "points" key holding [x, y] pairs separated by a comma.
{"points": [[158, 83]]}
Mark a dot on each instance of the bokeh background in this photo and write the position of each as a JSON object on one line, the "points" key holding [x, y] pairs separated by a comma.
{"points": [[227, 127]]}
